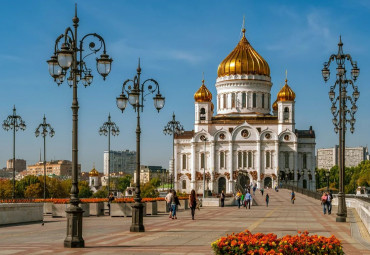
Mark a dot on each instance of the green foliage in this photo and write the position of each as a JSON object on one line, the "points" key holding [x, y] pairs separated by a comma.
{"points": [[121, 183], [84, 190], [21, 186], [156, 182], [102, 193], [148, 190], [6, 188], [34, 190]]}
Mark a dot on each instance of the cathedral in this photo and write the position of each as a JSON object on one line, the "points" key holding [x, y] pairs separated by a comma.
{"points": [[245, 139]]}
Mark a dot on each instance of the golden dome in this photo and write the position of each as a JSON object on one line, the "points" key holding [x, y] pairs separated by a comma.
{"points": [[286, 93], [203, 94], [275, 106], [243, 60], [93, 172]]}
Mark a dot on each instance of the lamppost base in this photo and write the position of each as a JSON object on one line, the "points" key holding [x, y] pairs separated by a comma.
{"points": [[137, 218], [74, 228], [341, 218]]}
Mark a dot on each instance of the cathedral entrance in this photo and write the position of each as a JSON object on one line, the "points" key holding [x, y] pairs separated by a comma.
{"points": [[267, 182], [243, 181], [305, 184], [221, 185]]}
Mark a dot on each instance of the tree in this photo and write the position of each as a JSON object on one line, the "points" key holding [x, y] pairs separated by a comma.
{"points": [[156, 182], [21, 186], [34, 190], [148, 190], [84, 190], [102, 193], [6, 188], [122, 183], [57, 188]]}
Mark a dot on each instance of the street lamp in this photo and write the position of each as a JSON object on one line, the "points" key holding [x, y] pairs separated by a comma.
{"points": [[45, 130], [135, 94], [204, 139], [108, 128], [68, 55], [327, 173], [15, 123], [341, 111], [173, 128]]}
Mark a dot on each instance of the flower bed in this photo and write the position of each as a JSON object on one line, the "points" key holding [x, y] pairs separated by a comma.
{"points": [[248, 243]]}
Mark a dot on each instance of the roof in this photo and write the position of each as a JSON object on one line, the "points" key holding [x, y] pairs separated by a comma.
{"points": [[305, 133], [185, 135]]}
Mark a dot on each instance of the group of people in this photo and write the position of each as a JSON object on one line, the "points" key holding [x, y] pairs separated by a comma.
{"points": [[173, 203], [246, 198], [326, 200]]}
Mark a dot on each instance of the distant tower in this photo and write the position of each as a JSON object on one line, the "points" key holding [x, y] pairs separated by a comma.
{"points": [[94, 179], [203, 106]]}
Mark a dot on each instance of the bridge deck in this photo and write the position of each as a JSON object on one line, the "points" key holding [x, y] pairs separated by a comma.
{"points": [[105, 235]]}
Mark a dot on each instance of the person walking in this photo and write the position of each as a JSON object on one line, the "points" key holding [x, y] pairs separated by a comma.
{"points": [[174, 203], [242, 199], [329, 201], [192, 203], [238, 197], [247, 200], [168, 200], [324, 202], [267, 198], [254, 189], [262, 190], [110, 200], [222, 199], [292, 197]]}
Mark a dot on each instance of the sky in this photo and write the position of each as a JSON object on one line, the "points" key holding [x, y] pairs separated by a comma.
{"points": [[176, 41]]}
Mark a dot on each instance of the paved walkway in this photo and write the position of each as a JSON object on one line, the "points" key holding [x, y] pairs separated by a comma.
{"points": [[105, 235]]}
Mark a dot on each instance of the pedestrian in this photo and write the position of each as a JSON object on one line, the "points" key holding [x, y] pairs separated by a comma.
{"points": [[248, 200], [292, 197], [324, 202], [242, 199], [238, 197], [222, 199], [267, 198], [193, 203], [174, 204], [329, 201], [254, 189], [110, 200], [168, 200], [262, 190]]}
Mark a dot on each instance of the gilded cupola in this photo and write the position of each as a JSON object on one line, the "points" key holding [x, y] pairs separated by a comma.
{"points": [[275, 106], [203, 94], [286, 93], [93, 172], [243, 60]]}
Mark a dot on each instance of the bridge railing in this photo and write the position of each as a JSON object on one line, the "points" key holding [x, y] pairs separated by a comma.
{"points": [[306, 192]]}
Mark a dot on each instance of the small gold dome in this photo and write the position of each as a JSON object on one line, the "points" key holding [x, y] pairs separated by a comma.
{"points": [[93, 172], [286, 93], [243, 60], [275, 106], [203, 94]]}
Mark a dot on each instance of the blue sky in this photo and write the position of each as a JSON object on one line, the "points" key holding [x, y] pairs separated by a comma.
{"points": [[176, 41]]}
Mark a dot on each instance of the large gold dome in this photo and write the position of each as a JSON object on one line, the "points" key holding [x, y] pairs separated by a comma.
{"points": [[286, 93], [243, 60], [203, 94]]}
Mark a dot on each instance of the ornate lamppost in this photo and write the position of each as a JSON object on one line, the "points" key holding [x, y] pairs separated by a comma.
{"points": [[15, 123], [108, 128], [45, 130], [327, 174], [173, 128], [342, 111], [135, 94], [70, 54]]}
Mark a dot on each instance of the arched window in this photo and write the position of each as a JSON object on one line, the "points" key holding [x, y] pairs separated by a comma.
{"points": [[224, 101], [244, 159], [240, 159], [222, 159], [268, 159], [184, 161], [263, 101], [202, 161], [286, 113], [233, 99], [254, 100], [286, 155], [92, 182], [249, 159], [304, 161], [244, 100], [183, 184], [202, 114]]}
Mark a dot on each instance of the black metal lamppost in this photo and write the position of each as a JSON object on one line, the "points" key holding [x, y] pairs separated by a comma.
{"points": [[135, 94], [71, 56], [327, 174], [173, 128], [15, 123], [108, 128], [342, 111], [46, 129]]}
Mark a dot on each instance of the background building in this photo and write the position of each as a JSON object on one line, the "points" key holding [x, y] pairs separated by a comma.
{"points": [[20, 165], [54, 167], [327, 158], [149, 172], [120, 161]]}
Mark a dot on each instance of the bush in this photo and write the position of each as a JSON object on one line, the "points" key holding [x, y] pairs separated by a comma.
{"points": [[248, 243]]}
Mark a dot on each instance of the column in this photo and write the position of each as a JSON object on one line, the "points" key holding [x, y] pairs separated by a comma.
{"points": [[276, 159], [258, 164], [212, 165], [193, 172], [231, 167], [295, 162], [174, 163]]}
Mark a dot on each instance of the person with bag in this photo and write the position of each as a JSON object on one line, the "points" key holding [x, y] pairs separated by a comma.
{"points": [[330, 199], [192, 203], [324, 202], [238, 197], [292, 197], [267, 199], [248, 200], [168, 200], [222, 199], [174, 204], [242, 199]]}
